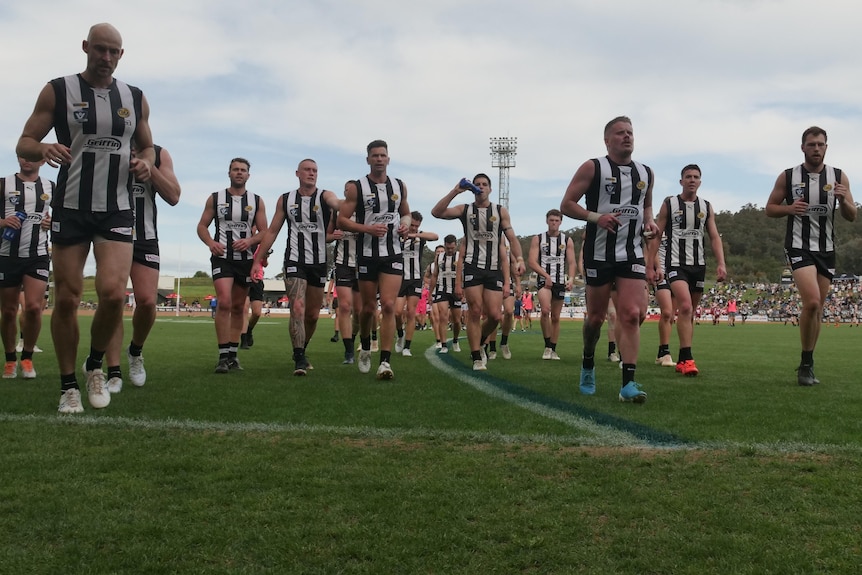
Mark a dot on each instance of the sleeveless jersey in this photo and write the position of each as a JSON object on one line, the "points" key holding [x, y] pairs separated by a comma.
{"points": [[552, 256], [97, 124], [686, 225], [234, 220], [411, 250], [146, 213], [814, 231], [32, 198], [379, 204], [662, 251], [307, 218], [619, 190], [482, 231], [446, 266], [344, 253]]}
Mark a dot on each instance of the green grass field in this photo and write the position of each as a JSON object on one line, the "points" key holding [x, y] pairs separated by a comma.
{"points": [[441, 470]]}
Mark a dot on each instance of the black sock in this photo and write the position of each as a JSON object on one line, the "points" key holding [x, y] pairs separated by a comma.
{"points": [[407, 344], [11, 356], [663, 350], [504, 340], [94, 360], [589, 362], [628, 373], [612, 347], [68, 381], [547, 342], [808, 357], [114, 371]]}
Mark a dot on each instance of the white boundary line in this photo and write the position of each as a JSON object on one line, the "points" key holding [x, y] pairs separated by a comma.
{"points": [[603, 434]]}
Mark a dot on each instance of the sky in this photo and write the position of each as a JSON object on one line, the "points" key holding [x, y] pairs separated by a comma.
{"points": [[727, 84]]}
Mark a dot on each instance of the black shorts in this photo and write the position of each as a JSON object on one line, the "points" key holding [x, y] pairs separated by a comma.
{"points": [[146, 253], [823, 261], [440, 296], [558, 291], [313, 274], [13, 270], [489, 279], [73, 227], [370, 268], [255, 291], [345, 276], [603, 273], [238, 270], [662, 285], [410, 288], [694, 276]]}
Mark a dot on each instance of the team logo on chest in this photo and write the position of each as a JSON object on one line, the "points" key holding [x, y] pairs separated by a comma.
{"points": [[610, 186], [79, 112]]}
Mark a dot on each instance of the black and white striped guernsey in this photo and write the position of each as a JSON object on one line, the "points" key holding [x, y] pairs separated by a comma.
{"points": [[97, 125], [813, 231], [234, 220], [620, 190], [32, 198], [379, 204], [552, 256], [307, 218], [344, 252], [446, 266], [685, 229], [482, 231], [146, 212], [411, 250]]}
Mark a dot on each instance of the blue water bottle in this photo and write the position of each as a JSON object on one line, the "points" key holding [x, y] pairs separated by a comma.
{"points": [[468, 185], [12, 233]]}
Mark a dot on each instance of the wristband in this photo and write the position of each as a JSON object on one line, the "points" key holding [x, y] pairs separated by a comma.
{"points": [[593, 217]]}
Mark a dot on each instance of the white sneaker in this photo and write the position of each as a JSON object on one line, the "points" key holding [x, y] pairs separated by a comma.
{"points": [[507, 353], [27, 369], [406, 352], [399, 344], [456, 347], [70, 402], [364, 361], [547, 353], [484, 356], [492, 355], [479, 365], [115, 384], [438, 345], [20, 347], [97, 388], [384, 371], [37, 349], [614, 356], [374, 345], [443, 350], [665, 361], [554, 355], [137, 373]]}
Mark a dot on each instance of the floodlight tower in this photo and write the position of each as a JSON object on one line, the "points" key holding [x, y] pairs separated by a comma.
{"points": [[503, 151]]}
